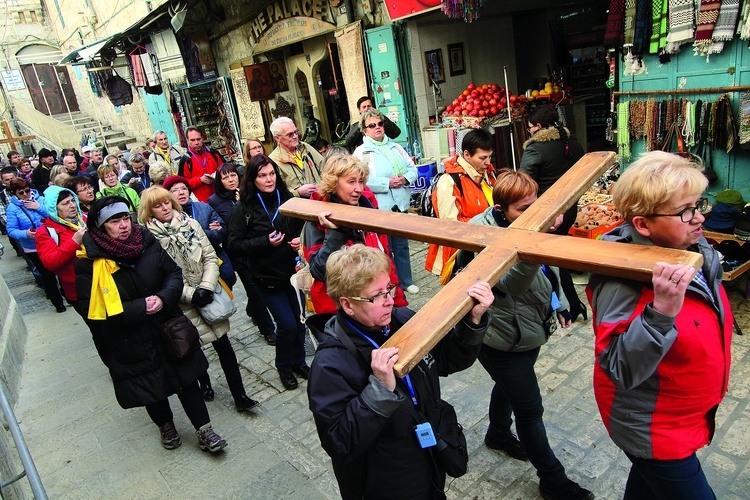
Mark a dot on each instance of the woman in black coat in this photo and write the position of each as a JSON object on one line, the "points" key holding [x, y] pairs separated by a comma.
{"points": [[364, 414], [226, 195], [126, 326], [547, 155], [269, 241]]}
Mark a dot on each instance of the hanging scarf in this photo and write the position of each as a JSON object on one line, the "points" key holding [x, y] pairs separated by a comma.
{"points": [[707, 16], [745, 119], [623, 132], [642, 26], [658, 26], [629, 22], [182, 243], [743, 27], [164, 154], [384, 147], [681, 15], [725, 24], [615, 20]]}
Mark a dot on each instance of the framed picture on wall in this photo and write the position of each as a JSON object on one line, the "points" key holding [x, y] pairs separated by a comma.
{"points": [[456, 59], [259, 82], [278, 76], [433, 60]]}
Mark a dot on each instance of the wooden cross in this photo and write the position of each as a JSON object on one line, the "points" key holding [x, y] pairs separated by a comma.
{"points": [[499, 249], [12, 140]]}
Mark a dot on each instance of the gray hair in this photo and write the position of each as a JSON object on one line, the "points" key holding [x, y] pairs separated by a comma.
{"points": [[137, 158], [277, 124], [158, 133], [96, 150], [369, 114]]}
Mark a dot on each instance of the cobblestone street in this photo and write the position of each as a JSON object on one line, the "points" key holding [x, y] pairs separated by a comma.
{"points": [[86, 446]]}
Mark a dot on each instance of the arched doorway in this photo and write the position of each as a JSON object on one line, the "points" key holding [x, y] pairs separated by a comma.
{"points": [[49, 85]]}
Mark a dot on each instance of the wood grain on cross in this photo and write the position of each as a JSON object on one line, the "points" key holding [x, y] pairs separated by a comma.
{"points": [[499, 249], [9, 139]]}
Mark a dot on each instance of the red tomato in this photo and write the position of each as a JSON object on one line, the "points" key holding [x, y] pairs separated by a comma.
{"points": [[482, 113], [473, 112], [493, 102], [471, 86], [493, 110], [501, 106], [503, 101], [494, 87], [474, 94], [496, 95]]}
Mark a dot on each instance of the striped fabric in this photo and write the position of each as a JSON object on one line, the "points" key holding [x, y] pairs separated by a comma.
{"points": [[681, 27], [658, 26], [615, 19]]}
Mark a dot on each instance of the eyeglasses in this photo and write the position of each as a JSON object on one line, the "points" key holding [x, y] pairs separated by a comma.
{"points": [[687, 214], [84, 189], [374, 125], [23, 191], [178, 189], [260, 148], [291, 134], [389, 290]]}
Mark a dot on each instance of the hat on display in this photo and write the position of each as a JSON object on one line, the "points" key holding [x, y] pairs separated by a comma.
{"points": [[742, 227], [722, 219], [176, 179], [731, 197]]}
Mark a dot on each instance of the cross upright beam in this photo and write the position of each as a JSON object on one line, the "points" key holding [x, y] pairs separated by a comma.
{"points": [[9, 139], [499, 249]]}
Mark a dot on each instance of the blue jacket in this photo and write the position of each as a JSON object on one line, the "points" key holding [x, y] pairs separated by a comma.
{"points": [[20, 219], [381, 172]]}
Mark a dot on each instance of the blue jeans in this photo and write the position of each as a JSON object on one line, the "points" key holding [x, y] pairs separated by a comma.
{"points": [[667, 479], [256, 306], [401, 259], [517, 391], [281, 300]]}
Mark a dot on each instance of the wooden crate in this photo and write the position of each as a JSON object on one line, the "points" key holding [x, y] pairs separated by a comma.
{"points": [[598, 232]]}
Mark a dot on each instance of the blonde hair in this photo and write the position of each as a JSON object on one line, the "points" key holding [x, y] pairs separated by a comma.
{"points": [[104, 169], [151, 197], [338, 166], [352, 269], [651, 181], [60, 179], [369, 114], [158, 171], [56, 171], [511, 187], [246, 148]]}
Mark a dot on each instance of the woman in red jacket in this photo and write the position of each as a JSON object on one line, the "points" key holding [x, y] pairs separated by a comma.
{"points": [[60, 237]]}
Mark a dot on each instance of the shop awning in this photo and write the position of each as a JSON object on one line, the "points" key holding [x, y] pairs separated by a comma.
{"points": [[87, 52]]}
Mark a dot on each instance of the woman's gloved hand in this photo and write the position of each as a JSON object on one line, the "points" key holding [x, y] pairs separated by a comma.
{"points": [[202, 297]]}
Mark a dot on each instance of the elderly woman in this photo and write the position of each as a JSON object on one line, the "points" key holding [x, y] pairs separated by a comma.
{"points": [[364, 414], [528, 303], [270, 240], [60, 237], [159, 170], [110, 185], [391, 172], [342, 181], [127, 326], [24, 217], [185, 241]]}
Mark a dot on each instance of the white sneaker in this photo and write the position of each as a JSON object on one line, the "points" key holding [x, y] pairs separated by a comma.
{"points": [[412, 288]]}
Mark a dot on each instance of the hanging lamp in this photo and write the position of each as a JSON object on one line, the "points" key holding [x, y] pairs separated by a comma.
{"points": [[468, 10]]}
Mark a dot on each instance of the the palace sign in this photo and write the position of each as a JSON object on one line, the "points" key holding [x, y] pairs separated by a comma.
{"points": [[288, 21]]}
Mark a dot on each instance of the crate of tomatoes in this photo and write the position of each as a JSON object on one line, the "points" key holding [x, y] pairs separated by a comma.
{"points": [[477, 106]]}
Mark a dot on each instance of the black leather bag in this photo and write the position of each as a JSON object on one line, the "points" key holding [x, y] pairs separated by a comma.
{"points": [[180, 337], [451, 452]]}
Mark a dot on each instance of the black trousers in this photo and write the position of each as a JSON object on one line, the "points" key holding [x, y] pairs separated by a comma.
{"points": [[192, 402], [229, 365], [51, 287]]}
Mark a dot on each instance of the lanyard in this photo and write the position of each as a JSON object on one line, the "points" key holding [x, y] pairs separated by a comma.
{"points": [[278, 205], [198, 158], [406, 380]]}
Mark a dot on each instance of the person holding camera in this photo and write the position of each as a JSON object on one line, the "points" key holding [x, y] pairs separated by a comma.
{"points": [[391, 173], [528, 304], [385, 434], [138, 178]]}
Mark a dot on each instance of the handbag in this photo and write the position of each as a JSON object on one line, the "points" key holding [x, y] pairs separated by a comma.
{"points": [[451, 452], [180, 337], [220, 309]]}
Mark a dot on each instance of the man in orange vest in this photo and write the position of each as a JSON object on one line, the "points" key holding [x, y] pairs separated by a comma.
{"points": [[464, 191]]}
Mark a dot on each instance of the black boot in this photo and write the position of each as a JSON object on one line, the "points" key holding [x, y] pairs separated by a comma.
{"points": [[204, 381], [576, 306]]}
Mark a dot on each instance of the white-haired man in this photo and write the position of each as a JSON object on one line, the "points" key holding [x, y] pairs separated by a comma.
{"points": [[300, 164]]}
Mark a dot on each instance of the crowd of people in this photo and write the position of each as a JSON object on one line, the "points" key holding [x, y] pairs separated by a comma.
{"points": [[170, 231]]}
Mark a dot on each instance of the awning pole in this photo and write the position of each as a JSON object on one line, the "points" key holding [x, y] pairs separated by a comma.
{"points": [[510, 118], [49, 111], [65, 99]]}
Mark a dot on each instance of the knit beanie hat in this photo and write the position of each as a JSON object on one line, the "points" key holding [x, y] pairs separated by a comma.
{"points": [[731, 197]]}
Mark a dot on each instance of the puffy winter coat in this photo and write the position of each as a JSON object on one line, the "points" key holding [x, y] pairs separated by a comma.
{"points": [[658, 380], [121, 190], [521, 304], [249, 228], [130, 343], [20, 219], [367, 430], [381, 171], [205, 215]]}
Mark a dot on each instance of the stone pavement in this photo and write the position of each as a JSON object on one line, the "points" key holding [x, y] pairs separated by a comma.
{"points": [[86, 446]]}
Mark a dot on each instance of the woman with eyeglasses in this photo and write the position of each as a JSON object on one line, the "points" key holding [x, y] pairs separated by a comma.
{"points": [[270, 242], [24, 217], [366, 416], [343, 181], [253, 147], [391, 172], [225, 197], [547, 155], [60, 237]]}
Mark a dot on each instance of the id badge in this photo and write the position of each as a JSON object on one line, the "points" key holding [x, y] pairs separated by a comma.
{"points": [[425, 435], [555, 302]]}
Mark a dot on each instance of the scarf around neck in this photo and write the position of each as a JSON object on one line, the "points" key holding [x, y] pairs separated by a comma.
{"points": [[182, 243], [125, 250], [385, 148]]}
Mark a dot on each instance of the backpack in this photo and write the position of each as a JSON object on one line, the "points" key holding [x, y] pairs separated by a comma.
{"points": [[425, 199]]}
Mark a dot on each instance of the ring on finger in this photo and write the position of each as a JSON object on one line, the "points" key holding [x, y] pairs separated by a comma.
{"points": [[674, 281]]}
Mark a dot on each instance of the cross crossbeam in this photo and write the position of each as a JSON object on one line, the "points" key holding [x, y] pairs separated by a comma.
{"points": [[13, 140], [499, 249]]}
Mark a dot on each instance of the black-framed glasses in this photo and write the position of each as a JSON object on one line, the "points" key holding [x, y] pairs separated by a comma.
{"points": [[389, 290], [374, 125], [687, 214], [23, 191]]}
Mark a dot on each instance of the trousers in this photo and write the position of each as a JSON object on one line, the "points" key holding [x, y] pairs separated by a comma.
{"points": [[667, 479], [192, 402]]}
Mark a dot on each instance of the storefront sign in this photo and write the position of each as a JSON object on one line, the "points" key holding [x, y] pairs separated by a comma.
{"points": [[288, 21], [13, 80], [398, 9]]}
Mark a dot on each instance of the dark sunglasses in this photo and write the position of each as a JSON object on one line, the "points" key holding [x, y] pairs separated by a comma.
{"points": [[373, 125], [23, 191]]}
